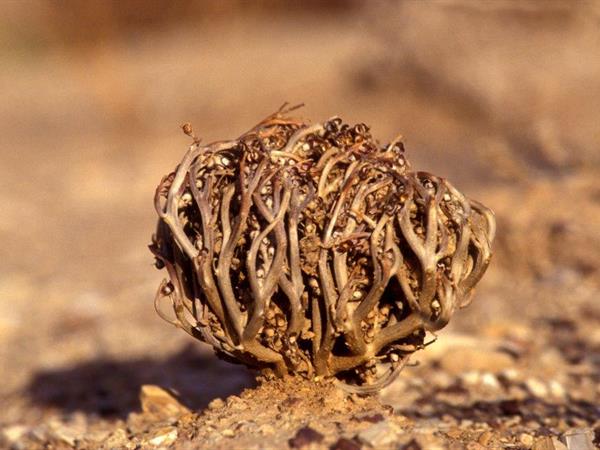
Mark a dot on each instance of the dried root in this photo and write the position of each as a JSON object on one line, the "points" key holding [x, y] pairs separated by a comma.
{"points": [[310, 250]]}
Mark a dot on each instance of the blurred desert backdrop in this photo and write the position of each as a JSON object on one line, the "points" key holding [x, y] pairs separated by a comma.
{"points": [[500, 97]]}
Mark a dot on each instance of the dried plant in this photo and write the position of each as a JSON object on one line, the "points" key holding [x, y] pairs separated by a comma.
{"points": [[308, 249]]}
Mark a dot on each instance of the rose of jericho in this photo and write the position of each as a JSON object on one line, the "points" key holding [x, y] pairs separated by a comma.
{"points": [[311, 250]]}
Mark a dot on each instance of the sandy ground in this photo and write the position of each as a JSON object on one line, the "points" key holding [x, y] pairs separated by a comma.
{"points": [[88, 133]]}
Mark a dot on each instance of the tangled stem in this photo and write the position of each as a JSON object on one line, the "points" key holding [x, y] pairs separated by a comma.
{"points": [[311, 250]]}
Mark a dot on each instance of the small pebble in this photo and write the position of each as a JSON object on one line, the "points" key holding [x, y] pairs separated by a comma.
{"points": [[412, 445], [13, 433], [536, 387], [158, 401], [345, 444], [556, 389], [163, 437], [485, 438], [369, 417], [526, 439], [490, 381], [118, 439], [304, 437], [548, 443], [266, 429], [64, 433], [471, 378], [558, 445], [378, 435], [455, 433], [217, 403], [578, 439], [510, 374]]}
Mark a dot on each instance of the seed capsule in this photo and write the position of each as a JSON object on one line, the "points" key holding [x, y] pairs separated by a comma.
{"points": [[167, 289]]}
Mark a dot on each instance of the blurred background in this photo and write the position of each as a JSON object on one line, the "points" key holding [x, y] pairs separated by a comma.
{"points": [[500, 97]]}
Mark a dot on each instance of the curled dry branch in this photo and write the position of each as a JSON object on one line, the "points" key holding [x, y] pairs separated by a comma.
{"points": [[311, 250]]}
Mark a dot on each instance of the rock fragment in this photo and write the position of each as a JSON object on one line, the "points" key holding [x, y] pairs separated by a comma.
{"points": [[373, 417], [11, 435], [304, 437], [215, 404], [345, 444], [471, 378], [490, 381], [526, 439], [485, 438], [536, 387], [66, 434], [558, 445], [543, 443], [97, 435], [557, 390], [379, 435], [228, 432], [163, 437], [548, 443], [578, 439], [161, 403], [118, 439], [412, 445]]}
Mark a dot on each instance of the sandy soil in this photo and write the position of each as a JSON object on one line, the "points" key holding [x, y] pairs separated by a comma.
{"points": [[87, 132]]}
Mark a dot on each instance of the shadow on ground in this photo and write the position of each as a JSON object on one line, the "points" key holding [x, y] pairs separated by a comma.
{"points": [[110, 388]]}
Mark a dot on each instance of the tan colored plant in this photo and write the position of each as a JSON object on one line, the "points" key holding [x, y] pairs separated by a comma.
{"points": [[308, 249]]}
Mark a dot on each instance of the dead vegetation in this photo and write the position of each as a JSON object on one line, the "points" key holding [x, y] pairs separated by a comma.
{"points": [[311, 250]]}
